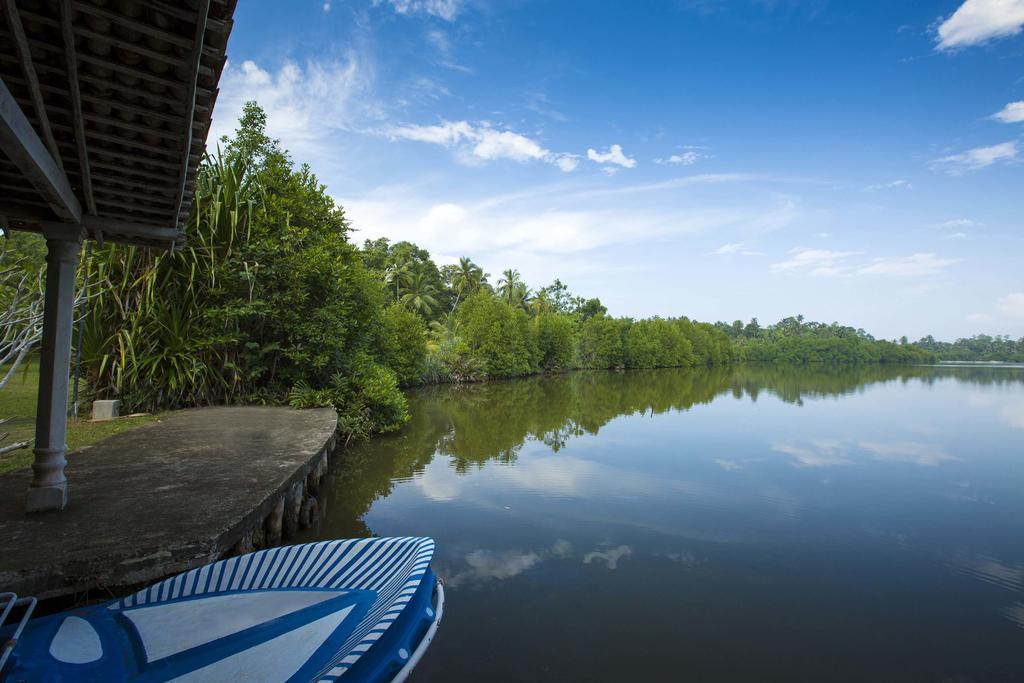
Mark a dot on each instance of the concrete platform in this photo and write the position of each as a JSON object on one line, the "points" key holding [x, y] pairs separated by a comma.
{"points": [[196, 486]]}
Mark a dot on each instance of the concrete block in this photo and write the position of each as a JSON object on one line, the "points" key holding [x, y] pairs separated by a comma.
{"points": [[105, 410], [44, 498]]}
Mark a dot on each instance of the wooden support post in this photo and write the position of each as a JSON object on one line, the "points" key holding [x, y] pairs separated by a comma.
{"points": [[49, 487]]}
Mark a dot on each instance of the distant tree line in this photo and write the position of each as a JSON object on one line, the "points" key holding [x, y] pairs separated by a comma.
{"points": [[980, 347], [794, 340]]}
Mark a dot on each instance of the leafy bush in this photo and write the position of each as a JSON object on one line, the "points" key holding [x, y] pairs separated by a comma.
{"points": [[603, 342], [500, 336], [556, 341], [402, 343]]}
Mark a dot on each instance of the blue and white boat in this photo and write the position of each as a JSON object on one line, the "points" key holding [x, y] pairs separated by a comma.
{"points": [[349, 610]]}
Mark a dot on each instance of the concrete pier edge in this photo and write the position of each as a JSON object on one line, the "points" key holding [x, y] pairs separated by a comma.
{"points": [[279, 502]]}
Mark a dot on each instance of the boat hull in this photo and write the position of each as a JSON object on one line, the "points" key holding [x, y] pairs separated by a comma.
{"points": [[351, 610]]}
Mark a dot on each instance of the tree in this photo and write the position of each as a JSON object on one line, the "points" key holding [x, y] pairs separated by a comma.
{"points": [[500, 336], [555, 340], [466, 279], [398, 275], [401, 343], [420, 295], [509, 285], [590, 308]]}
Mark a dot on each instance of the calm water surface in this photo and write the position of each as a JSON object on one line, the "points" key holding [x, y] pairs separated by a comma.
{"points": [[750, 524]]}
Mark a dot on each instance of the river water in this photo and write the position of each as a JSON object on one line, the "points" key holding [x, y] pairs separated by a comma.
{"points": [[741, 524]]}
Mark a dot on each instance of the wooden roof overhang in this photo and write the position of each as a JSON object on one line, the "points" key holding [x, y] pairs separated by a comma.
{"points": [[105, 108]]}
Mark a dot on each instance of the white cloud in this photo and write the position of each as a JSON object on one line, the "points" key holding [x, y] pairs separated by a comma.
{"points": [[614, 155], [484, 143], [306, 104], [814, 262], [1012, 305], [956, 236], [899, 183], [977, 158], [327, 6], [444, 9], [977, 21], [909, 266], [687, 158], [1011, 113], [505, 144]]}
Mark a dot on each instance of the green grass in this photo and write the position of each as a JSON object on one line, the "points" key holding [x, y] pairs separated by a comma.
{"points": [[18, 401]]}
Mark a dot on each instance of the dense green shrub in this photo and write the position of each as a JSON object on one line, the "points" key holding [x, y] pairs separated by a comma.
{"points": [[555, 341], [602, 342], [657, 343], [402, 343], [499, 335]]}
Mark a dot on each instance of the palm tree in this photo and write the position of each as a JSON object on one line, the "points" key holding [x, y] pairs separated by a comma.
{"points": [[540, 302], [508, 284], [419, 295], [446, 329], [399, 275], [521, 297], [467, 280]]}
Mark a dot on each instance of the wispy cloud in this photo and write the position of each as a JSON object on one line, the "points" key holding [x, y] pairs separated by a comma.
{"points": [[306, 103], [443, 9], [827, 263], [977, 158], [899, 183], [914, 265], [1011, 113], [482, 142], [735, 248], [814, 262], [960, 223], [565, 228], [978, 21], [614, 155]]}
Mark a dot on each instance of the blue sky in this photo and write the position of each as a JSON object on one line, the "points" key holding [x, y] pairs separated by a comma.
{"points": [[850, 161]]}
